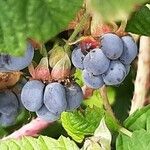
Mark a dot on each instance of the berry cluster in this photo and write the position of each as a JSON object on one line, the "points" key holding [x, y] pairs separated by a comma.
{"points": [[107, 64], [49, 101]]}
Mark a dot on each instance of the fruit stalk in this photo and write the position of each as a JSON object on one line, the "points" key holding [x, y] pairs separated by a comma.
{"points": [[125, 131], [103, 93], [107, 106], [143, 75], [76, 31], [43, 51]]}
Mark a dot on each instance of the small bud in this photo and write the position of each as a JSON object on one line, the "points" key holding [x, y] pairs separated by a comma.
{"points": [[62, 68], [55, 55], [42, 71]]}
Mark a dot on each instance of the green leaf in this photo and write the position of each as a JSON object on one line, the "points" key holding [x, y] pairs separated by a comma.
{"points": [[140, 140], [148, 123], [140, 22], [114, 10], [139, 119], [42, 143], [78, 124], [81, 123], [40, 20], [122, 142], [112, 124], [96, 99], [78, 77]]}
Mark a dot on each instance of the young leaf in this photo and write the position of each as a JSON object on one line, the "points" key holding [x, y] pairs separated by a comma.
{"points": [[104, 135], [139, 119], [39, 20], [140, 140], [96, 99], [42, 143], [140, 22], [78, 77], [100, 140], [78, 124]]}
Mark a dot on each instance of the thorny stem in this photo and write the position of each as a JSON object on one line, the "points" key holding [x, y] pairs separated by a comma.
{"points": [[143, 75], [103, 92], [78, 28], [30, 129], [107, 106]]}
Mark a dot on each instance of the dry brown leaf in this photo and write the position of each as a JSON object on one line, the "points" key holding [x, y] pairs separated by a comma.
{"points": [[8, 79]]}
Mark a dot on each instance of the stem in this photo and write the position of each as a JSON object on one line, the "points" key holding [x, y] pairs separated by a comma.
{"points": [[43, 51], [31, 129], [141, 86], [125, 131], [76, 31], [121, 30], [103, 92], [107, 106]]}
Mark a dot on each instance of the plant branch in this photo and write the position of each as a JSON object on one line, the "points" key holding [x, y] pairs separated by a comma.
{"points": [[103, 93], [33, 128], [125, 131], [43, 51], [107, 106], [121, 30], [143, 75], [78, 28]]}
